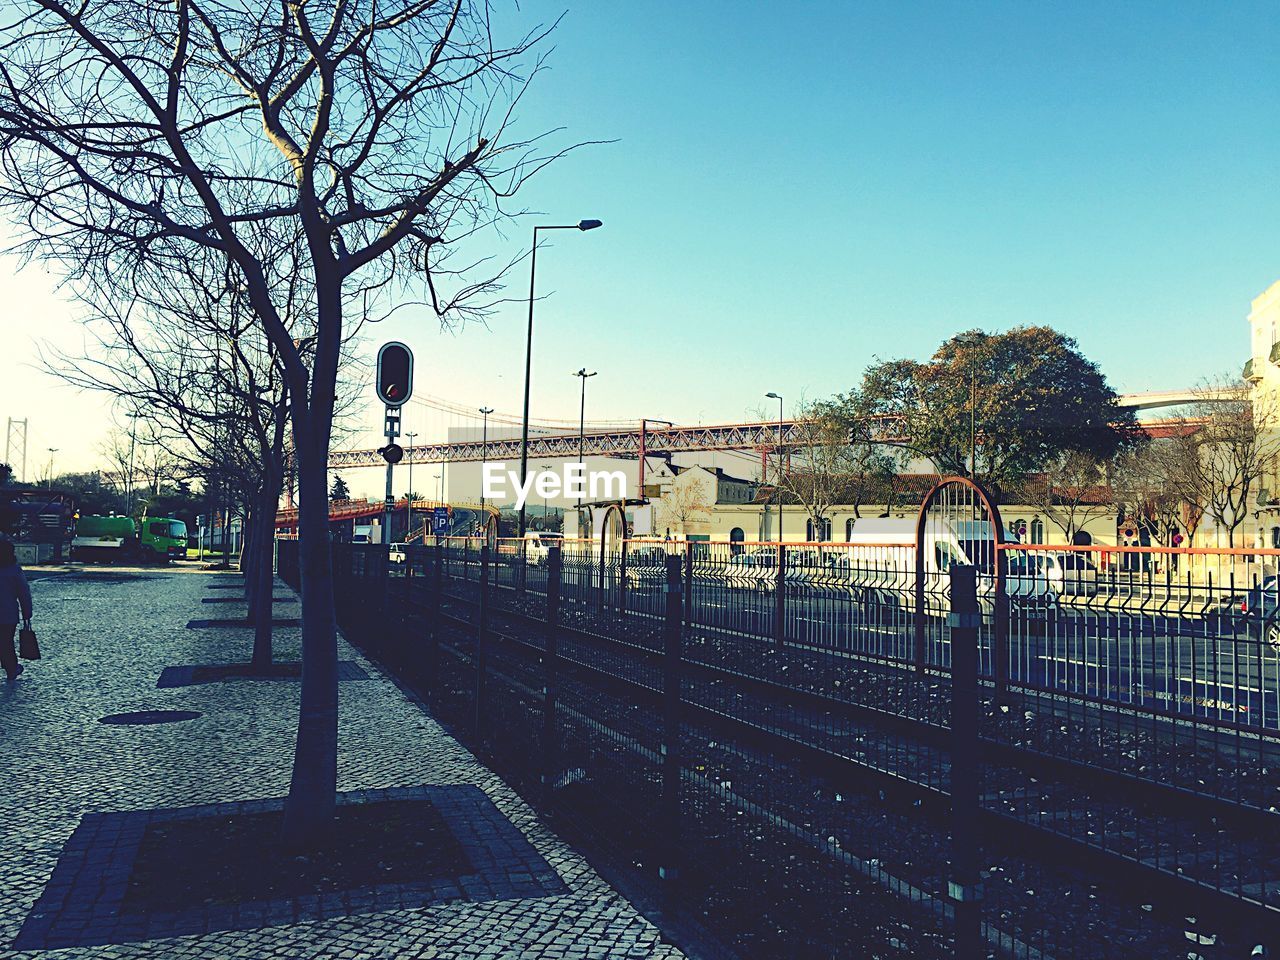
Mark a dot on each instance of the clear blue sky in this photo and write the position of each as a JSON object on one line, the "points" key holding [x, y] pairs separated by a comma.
{"points": [[799, 188]]}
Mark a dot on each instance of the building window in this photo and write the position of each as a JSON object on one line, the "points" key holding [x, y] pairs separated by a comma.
{"points": [[848, 530], [736, 536], [1037, 530], [819, 534], [1082, 539], [1275, 538]]}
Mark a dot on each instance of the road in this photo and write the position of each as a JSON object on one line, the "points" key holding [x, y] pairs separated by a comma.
{"points": [[1215, 666]]}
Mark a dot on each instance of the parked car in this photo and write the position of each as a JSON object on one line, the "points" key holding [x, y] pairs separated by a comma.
{"points": [[396, 554], [646, 566], [1050, 576], [756, 569], [1070, 573], [1256, 612]]}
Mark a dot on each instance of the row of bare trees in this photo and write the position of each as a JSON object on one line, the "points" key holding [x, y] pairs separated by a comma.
{"points": [[306, 165]]}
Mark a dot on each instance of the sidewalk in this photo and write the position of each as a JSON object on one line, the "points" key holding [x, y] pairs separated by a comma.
{"points": [[108, 635]]}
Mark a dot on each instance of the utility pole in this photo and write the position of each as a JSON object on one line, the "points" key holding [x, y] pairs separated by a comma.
{"points": [[582, 424], [777, 486], [52, 451], [484, 453]]}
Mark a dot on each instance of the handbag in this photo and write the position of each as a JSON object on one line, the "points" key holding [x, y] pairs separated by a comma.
{"points": [[28, 646]]}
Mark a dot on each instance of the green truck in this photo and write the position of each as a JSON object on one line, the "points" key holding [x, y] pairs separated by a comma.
{"points": [[124, 540]]}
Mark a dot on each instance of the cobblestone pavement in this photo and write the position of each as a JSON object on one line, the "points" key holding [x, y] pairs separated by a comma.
{"points": [[107, 635]]}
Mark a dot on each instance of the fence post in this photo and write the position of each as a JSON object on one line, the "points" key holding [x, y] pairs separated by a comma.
{"points": [[780, 598], [551, 669], [622, 579], [965, 886], [435, 608], [918, 615], [1000, 635], [668, 867], [384, 562], [688, 581], [482, 632]]}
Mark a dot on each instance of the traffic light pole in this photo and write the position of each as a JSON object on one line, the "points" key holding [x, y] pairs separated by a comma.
{"points": [[393, 431]]}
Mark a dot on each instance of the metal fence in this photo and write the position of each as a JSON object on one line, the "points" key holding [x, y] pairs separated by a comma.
{"points": [[823, 749]]}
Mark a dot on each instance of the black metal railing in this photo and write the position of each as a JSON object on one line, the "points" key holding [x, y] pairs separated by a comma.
{"points": [[761, 727]]}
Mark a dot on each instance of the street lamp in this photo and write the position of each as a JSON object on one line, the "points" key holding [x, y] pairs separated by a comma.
{"points": [[778, 455], [408, 528], [52, 451], [582, 425], [484, 450], [582, 225]]}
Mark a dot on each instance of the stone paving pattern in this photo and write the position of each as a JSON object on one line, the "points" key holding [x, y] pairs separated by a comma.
{"points": [[107, 637]]}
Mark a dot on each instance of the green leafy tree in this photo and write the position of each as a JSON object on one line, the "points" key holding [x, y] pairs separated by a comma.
{"points": [[6, 474], [998, 406], [339, 490]]}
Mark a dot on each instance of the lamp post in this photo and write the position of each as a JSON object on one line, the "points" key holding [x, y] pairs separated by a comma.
{"points": [[408, 523], [545, 510], [582, 426], [484, 451], [52, 451], [583, 225], [778, 455]]}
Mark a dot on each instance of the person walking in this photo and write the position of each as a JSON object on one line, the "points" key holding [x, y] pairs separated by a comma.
{"points": [[15, 598]]}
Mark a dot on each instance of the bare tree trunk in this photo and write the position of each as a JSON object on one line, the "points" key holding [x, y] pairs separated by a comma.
{"points": [[310, 805]]}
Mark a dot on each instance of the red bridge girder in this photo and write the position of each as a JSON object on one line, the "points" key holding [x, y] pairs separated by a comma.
{"points": [[625, 444]]}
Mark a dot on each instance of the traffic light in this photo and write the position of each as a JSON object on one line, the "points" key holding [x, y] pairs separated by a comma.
{"points": [[395, 374], [392, 452]]}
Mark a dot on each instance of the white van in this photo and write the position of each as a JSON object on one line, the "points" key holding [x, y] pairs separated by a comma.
{"points": [[537, 544], [881, 565]]}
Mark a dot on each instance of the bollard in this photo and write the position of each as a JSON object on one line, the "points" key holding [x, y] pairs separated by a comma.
{"points": [[482, 631], [550, 667], [965, 887], [668, 867]]}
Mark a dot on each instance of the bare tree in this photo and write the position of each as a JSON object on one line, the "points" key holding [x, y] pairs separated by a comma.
{"points": [[684, 503], [1149, 488], [135, 136], [833, 461], [1220, 461], [1072, 492]]}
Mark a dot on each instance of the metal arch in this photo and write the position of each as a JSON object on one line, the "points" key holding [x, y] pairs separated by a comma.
{"points": [[992, 510], [1000, 636], [620, 543]]}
